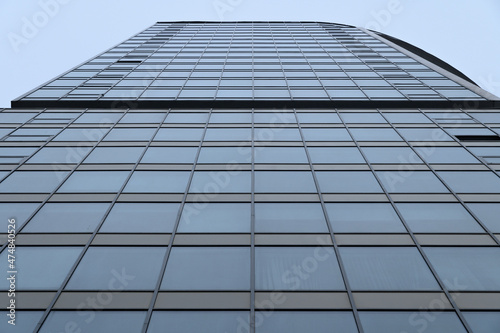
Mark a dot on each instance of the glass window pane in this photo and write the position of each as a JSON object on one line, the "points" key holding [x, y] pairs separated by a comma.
{"points": [[158, 182], [223, 155], [220, 182], [438, 217], [467, 268], [99, 118], [170, 155], [308, 321], [94, 181], [32, 181], [115, 155], [118, 268], [429, 322], [363, 217], [280, 155], [277, 134], [405, 118], [153, 218], [228, 134], [335, 155], [130, 134], [326, 134], [186, 117], [289, 218], [18, 211], [411, 182], [297, 268], [231, 118], [318, 117], [387, 268], [488, 213], [375, 134], [215, 217], [445, 155], [284, 182], [199, 321], [67, 217], [102, 321], [424, 134], [370, 118], [348, 182], [400, 155], [208, 268], [483, 322], [471, 181], [274, 118], [41, 268], [143, 117], [63, 155], [179, 134], [81, 134], [25, 321]]}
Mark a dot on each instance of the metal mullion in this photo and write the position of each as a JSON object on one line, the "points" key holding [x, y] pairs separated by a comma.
{"points": [[86, 246], [252, 231], [488, 231], [172, 237], [330, 230], [410, 232]]}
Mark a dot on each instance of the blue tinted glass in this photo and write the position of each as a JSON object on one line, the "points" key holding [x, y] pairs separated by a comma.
{"points": [[199, 321], [406, 118], [130, 134], [170, 155], [81, 134], [289, 218], [215, 217], [63, 155], [179, 134], [318, 118], [274, 118], [25, 321], [187, 117], [297, 268], [472, 181], [488, 213], [401, 155], [142, 117], [483, 322], [94, 321], [375, 134], [284, 182], [231, 155], [208, 268], [308, 321], [17, 211], [32, 181], [467, 268], [438, 217], [280, 155], [228, 134], [115, 155], [348, 182], [445, 155], [431, 322], [220, 182], [424, 134], [141, 218], [277, 134], [326, 134], [67, 217], [99, 118], [158, 182], [41, 268], [362, 117], [387, 268], [411, 182], [231, 118], [94, 181], [363, 217], [335, 155], [118, 268]]}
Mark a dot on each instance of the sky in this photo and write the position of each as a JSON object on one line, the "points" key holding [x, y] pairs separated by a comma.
{"points": [[40, 39]]}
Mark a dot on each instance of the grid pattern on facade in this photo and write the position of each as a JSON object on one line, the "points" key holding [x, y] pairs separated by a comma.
{"points": [[252, 61], [366, 218]]}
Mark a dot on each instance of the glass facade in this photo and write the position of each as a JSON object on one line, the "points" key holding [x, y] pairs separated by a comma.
{"points": [[253, 177]]}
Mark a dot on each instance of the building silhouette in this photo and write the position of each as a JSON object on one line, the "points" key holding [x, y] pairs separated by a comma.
{"points": [[252, 177]]}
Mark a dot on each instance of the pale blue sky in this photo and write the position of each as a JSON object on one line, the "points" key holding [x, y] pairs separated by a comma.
{"points": [[69, 32]]}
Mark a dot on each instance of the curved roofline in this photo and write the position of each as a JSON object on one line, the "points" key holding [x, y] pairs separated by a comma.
{"points": [[427, 56]]}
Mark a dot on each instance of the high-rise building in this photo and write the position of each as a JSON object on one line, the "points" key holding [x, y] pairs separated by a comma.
{"points": [[259, 177]]}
